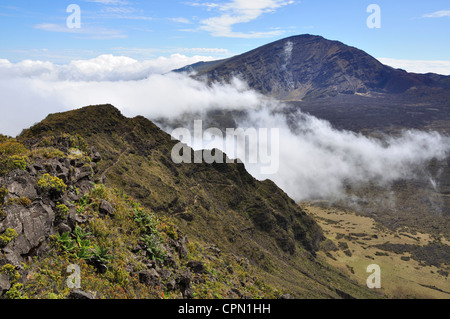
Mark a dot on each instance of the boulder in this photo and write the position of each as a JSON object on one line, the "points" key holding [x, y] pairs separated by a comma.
{"points": [[96, 157], [106, 208], [20, 184], [149, 277], [84, 172], [196, 266], [183, 283], [79, 294], [10, 257], [5, 284], [33, 225], [180, 246]]}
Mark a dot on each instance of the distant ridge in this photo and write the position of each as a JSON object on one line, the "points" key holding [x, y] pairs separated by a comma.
{"points": [[309, 67]]}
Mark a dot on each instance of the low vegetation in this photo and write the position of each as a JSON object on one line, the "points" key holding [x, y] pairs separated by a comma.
{"points": [[155, 229], [111, 251]]}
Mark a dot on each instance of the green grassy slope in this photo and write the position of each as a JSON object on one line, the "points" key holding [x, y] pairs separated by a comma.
{"points": [[218, 205]]}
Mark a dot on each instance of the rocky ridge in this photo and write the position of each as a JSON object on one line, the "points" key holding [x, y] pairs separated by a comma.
{"points": [[193, 231], [309, 67]]}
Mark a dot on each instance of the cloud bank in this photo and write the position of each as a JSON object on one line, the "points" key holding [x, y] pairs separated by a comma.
{"points": [[419, 66], [103, 68], [316, 160]]}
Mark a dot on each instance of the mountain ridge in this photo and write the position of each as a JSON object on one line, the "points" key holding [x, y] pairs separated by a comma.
{"points": [[310, 67], [219, 205]]}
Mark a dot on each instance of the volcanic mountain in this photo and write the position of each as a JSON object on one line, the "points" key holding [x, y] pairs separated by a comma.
{"points": [[307, 67]]}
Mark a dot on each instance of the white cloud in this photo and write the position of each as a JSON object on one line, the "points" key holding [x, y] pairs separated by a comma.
{"points": [[102, 68], [118, 9], [419, 66], [181, 20], [83, 32], [316, 160], [238, 12], [207, 50], [122, 12], [437, 14], [201, 54], [109, 2], [32, 89], [56, 28]]}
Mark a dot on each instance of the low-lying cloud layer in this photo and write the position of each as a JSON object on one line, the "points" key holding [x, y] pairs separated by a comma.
{"points": [[319, 161], [315, 160], [419, 66], [103, 68]]}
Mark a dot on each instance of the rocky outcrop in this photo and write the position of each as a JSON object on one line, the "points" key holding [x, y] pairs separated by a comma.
{"points": [[80, 295], [31, 211], [106, 208], [228, 208], [5, 283]]}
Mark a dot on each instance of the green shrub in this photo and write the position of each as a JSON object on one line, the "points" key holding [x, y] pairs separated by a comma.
{"points": [[65, 242], [64, 140], [150, 234], [12, 147], [11, 272], [47, 152], [101, 254], [19, 162], [16, 292], [52, 185], [3, 192], [84, 244], [76, 141], [7, 237], [22, 201], [9, 163], [78, 244], [61, 212], [4, 138], [12, 155]]}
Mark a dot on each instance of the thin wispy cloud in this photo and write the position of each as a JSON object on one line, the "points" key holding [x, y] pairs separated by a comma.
{"points": [[419, 66], [239, 12], [437, 14], [118, 9], [123, 12], [109, 9], [181, 20], [197, 54], [109, 2], [97, 33], [206, 51]]}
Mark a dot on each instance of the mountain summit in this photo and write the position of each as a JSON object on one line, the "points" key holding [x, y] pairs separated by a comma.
{"points": [[308, 67]]}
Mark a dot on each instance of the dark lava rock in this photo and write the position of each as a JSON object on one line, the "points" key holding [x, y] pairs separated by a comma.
{"points": [[79, 294], [196, 266]]}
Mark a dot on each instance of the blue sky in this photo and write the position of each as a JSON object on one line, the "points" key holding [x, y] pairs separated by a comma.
{"points": [[37, 30], [124, 49]]}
